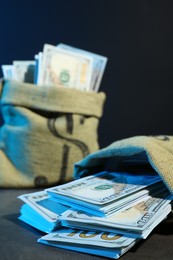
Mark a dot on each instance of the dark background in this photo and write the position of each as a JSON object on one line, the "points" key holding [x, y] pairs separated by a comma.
{"points": [[137, 38]]}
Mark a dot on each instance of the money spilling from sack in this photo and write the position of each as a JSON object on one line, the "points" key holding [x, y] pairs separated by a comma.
{"points": [[61, 65], [103, 214]]}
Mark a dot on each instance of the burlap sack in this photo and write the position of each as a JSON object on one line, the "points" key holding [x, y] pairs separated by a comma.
{"points": [[140, 153], [45, 130]]}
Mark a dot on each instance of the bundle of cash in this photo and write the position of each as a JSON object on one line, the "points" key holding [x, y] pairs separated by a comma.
{"points": [[41, 212], [105, 244], [62, 66], [136, 221], [22, 71], [103, 214], [104, 193]]}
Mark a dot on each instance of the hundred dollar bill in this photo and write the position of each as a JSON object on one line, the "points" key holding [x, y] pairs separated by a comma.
{"points": [[34, 219], [106, 244], [38, 67], [41, 212], [8, 71], [65, 68], [24, 71], [104, 191], [99, 64], [136, 221], [130, 233]]}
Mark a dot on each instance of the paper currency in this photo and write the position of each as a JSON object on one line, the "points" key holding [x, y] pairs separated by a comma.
{"points": [[143, 201], [61, 66], [8, 71], [99, 64], [24, 71], [106, 244], [41, 212], [38, 67], [136, 221], [65, 68], [103, 192], [21, 71]]}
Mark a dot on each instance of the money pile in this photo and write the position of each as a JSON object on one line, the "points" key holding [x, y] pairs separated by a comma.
{"points": [[103, 214], [62, 66], [41, 212]]}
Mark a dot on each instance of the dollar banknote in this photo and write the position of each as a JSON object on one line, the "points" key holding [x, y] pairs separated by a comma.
{"points": [[104, 191], [106, 244], [65, 68], [8, 71], [38, 67], [130, 233], [99, 64], [24, 71], [61, 66], [136, 221], [36, 220], [41, 212]]}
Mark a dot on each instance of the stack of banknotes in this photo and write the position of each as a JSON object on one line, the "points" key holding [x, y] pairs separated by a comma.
{"points": [[61, 65], [102, 214]]}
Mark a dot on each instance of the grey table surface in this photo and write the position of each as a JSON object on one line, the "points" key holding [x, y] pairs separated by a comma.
{"points": [[18, 240]]}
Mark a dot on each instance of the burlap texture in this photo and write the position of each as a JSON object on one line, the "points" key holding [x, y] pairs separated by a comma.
{"points": [[45, 131], [158, 151]]}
